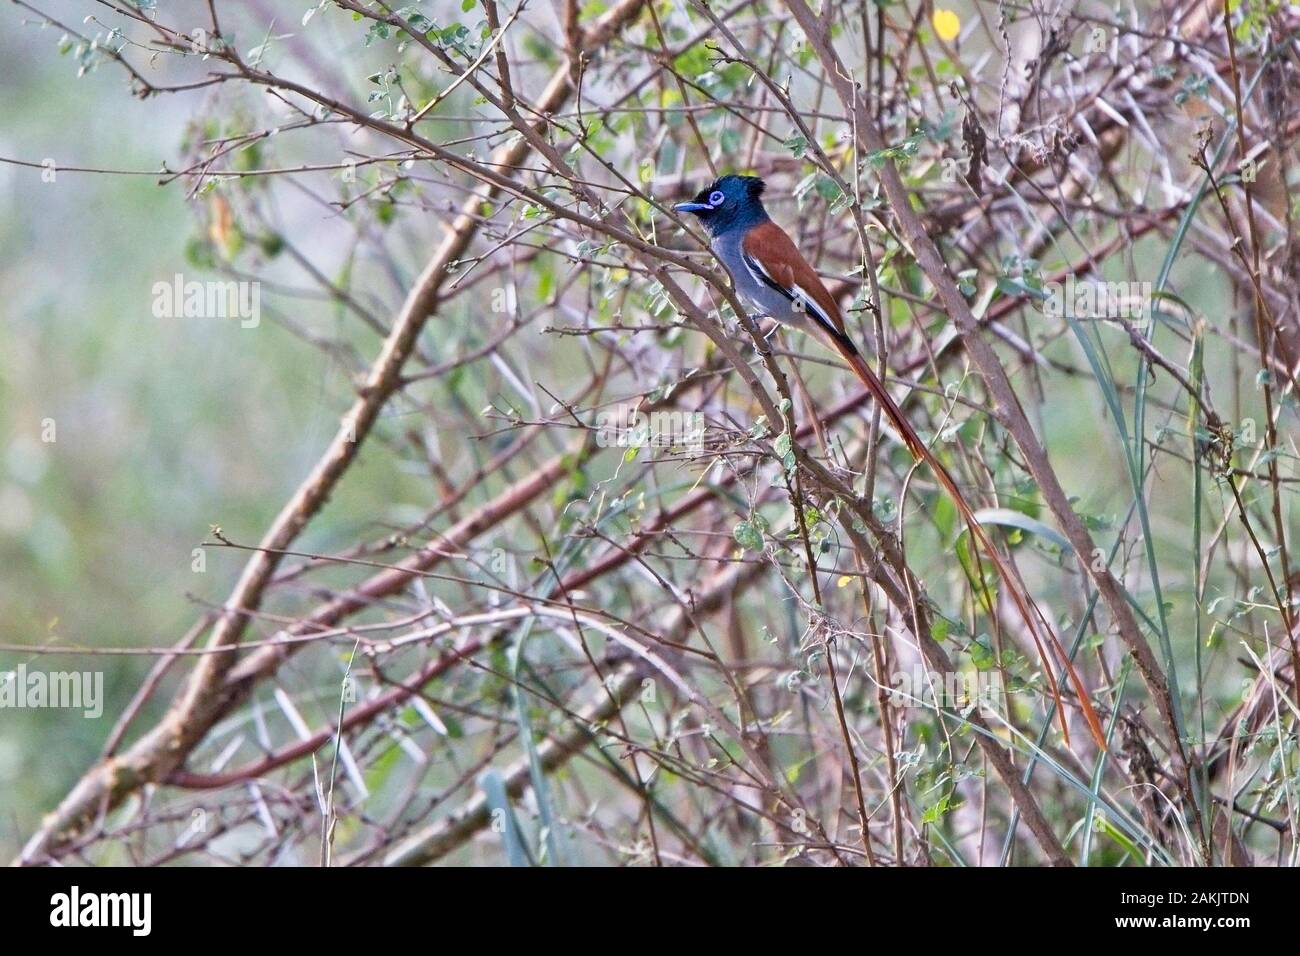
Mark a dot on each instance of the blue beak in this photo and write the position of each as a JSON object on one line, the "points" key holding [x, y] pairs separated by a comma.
{"points": [[691, 206]]}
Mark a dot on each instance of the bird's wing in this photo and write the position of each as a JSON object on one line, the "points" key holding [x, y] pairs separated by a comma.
{"points": [[772, 259]]}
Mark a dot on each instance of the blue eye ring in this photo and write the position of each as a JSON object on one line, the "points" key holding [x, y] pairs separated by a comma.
{"points": [[717, 198]]}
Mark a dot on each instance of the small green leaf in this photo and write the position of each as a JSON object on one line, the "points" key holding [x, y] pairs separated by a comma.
{"points": [[747, 536], [981, 653]]}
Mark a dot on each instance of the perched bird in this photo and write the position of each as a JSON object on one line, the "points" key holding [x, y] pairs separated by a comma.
{"points": [[770, 273]]}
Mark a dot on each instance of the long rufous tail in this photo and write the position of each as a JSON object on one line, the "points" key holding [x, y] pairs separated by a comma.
{"points": [[1029, 611]]}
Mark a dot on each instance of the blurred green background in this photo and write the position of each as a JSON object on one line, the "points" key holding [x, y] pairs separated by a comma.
{"points": [[162, 427]]}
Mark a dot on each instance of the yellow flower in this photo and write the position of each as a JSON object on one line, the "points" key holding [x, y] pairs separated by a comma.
{"points": [[947, 24]]}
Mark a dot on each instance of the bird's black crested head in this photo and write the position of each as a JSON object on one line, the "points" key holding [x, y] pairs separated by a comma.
{"points": [[729, 202]]}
